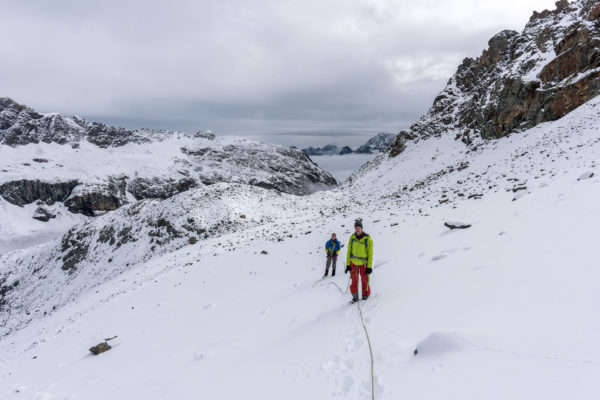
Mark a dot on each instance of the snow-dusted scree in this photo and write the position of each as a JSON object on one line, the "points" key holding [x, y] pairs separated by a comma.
{"points": [[212, 292]]}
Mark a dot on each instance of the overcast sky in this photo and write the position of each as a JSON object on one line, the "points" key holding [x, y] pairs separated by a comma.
{"points": [[306, 72]]}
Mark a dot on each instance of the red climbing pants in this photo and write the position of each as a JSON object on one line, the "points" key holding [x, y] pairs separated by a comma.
{"points": [[364, 278]]}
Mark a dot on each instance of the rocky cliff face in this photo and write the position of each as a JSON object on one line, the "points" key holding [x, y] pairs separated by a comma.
{"points": [[521, 80], [93, 168]]}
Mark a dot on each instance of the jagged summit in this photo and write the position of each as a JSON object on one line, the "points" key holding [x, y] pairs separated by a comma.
{"points": [[521, 80]]}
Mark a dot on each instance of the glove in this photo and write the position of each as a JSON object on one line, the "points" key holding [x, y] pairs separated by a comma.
{"points": [[347, 269], [368, 270]]}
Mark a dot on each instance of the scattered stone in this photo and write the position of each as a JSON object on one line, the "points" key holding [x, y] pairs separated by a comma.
{"points": [[264, 252], [519, 195], [516, 189], [457, 225], [192, 240], [100, 348], [243, 216], [40, 160], [586, 175], [475, 196]]}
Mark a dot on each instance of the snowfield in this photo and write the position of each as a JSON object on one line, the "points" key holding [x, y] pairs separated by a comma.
{"points": [[506, 309]]}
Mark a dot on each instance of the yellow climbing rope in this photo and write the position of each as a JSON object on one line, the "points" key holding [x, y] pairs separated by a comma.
{"points": [[362, 321]]}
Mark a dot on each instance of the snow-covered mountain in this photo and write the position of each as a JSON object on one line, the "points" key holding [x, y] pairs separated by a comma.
{"points": [[328, 149], [141, 163], [377, 143], [215, 291], [54, 165]]}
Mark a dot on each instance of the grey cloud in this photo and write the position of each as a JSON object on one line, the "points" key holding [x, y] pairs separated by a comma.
{"points": [[279, 70]]}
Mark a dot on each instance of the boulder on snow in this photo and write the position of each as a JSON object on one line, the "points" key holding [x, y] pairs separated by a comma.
{"points": [[192, 240], [100, 348], [440, 343], [43, 214], [586, 175], [457, 225]]}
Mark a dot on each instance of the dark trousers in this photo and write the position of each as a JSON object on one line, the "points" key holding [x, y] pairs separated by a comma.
{"points": [[330, 260]]}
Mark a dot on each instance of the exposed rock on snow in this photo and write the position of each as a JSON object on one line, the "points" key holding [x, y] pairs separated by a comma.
{"points": [[100, 348], [586, 175], [457, 225]]}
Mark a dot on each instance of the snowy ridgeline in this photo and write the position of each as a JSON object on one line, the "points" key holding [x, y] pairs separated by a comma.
{"points": [[503, 309], [56, 171]]}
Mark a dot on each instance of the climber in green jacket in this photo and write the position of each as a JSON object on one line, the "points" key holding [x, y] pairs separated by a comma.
{"points": [[359, 260]]}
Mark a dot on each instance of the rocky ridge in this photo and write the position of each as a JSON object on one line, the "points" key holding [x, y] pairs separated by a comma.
{"points": [[94, 168], [521, 80]]}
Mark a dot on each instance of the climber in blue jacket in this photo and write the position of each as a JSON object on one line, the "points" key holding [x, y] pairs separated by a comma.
{"points": [[332, 248]]}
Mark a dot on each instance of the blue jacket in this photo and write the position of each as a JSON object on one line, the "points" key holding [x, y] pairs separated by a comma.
{"points": [[332, 247]]}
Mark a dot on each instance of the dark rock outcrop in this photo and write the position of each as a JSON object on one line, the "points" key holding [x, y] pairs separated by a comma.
{"points": [[91, 203], [24, 191], [146, 188]]}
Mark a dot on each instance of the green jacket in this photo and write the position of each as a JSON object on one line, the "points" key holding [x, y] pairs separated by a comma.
{"points": [[360, 251]]}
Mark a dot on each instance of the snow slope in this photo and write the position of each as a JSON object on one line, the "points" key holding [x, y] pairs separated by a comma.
{"points": [[504, 309]]}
